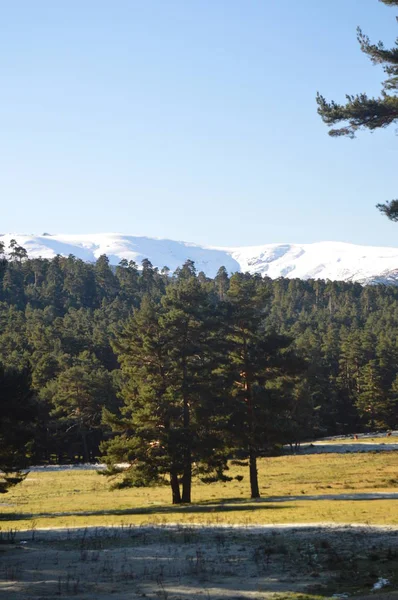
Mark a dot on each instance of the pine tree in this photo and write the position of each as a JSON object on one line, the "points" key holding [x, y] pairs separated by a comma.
{"points": [[221, 282], [244, 337], [364, 112], [106, 281], [17, 416], [372, 402], [171, 425], [127, 275], [148, 435], [17, 252], [392, 408], [52, 289], [3, 263], [257, 357], [197, 355], [77, 397]]}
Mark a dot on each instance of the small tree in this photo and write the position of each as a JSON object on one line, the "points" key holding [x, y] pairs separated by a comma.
{"points": [[17, 252]]}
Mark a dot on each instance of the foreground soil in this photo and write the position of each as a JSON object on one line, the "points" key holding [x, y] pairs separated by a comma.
{"points": [[192, 562]]}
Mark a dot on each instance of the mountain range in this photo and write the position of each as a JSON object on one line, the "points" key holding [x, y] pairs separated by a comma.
{"points": [[337, 261]]}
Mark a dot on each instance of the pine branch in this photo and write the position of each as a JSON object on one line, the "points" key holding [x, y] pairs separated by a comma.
{"points": [[360, 111], [389, 209], [390, 2], [379, 55]]}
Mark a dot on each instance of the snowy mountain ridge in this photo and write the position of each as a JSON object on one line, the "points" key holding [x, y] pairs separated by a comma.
{"points": [[337, 261]]}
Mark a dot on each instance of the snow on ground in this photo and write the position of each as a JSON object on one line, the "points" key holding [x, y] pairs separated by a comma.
{"points": [[322, 260]]}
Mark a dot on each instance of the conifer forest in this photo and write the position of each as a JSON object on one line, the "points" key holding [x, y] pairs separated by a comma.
{"points": [[176, 374]]}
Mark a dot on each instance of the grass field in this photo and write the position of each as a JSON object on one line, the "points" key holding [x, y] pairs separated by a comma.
{"points": [[331, 488], [206, 561]]}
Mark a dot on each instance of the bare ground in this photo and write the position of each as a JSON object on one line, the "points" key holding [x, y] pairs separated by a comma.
{"points": [[181, 563]]}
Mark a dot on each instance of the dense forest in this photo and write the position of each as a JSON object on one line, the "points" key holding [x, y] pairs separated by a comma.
{"points": [[176, 373]]}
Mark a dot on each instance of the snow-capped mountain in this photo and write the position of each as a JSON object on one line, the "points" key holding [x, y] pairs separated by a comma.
{"points": [[323, 260]]}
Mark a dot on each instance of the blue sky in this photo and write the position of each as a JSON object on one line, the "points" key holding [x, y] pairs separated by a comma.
{"points": [[191, 119]]}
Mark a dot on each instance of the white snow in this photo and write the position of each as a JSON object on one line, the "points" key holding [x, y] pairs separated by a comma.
{"points": [[336, 261], [380, 584]]}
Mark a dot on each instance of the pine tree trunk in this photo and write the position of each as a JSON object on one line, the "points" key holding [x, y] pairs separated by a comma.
{"points": [[187, 472], [175, 487], [187, 479], [255, 491], [85, 447]]}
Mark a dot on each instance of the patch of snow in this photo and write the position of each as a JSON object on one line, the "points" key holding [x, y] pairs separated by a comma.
{"points": [[380, 584]]}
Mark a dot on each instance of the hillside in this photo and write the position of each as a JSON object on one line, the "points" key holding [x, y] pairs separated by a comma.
{"points": [[336, 261]]}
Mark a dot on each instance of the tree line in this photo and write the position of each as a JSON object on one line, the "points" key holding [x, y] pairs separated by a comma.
{"points": [[176, 374]]}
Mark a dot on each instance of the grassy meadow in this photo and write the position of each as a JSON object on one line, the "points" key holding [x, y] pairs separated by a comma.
{"points": [[314, 488]]}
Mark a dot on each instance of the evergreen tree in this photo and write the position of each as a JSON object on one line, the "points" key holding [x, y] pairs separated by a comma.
{"points": [[17, 415], [52, 289], [127, 275], [197, 352], [175, 410], [221, 282], [147, 428], [258, 358], [106, 282], [372, 402], [392, 408], [77, 397], [17, 252]]}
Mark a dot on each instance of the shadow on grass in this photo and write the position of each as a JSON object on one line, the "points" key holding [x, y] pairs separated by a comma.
{"points": [[204, 508], [213, 507], [220, 502]]}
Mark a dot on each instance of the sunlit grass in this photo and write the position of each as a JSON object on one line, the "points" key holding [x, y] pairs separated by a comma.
{"points": [[83, 498]]}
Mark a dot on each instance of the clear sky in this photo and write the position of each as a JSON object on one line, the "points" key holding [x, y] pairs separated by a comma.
{"points": [[191, 119]]}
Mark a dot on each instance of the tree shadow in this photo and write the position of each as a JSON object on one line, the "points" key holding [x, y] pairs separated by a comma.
{"points": [[232, 505], [210, 507]]}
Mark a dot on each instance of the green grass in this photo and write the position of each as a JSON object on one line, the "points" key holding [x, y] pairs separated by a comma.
{"points": [[71, 498]]}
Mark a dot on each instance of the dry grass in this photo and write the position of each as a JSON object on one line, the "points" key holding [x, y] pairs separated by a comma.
{"points": [[288, 485]]}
